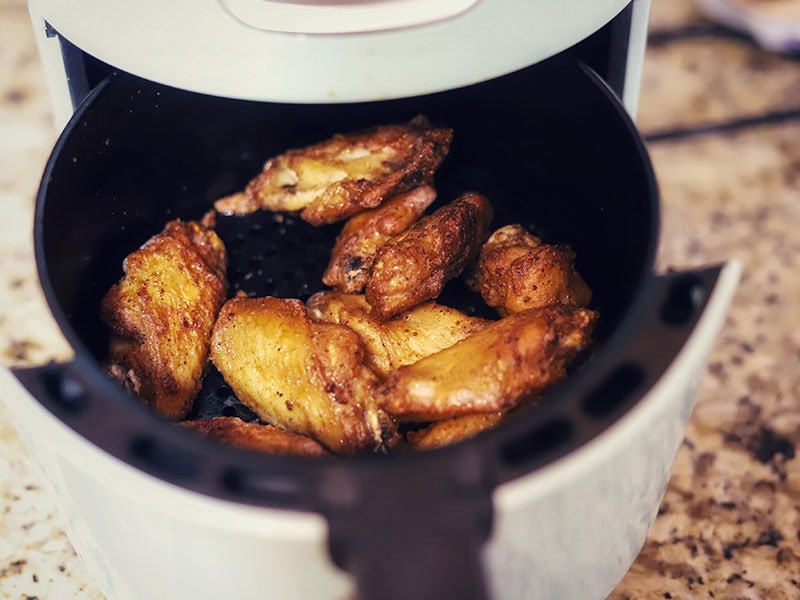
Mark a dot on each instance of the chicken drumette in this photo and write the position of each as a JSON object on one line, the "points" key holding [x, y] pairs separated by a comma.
{"points": [[516, 271], [491, 370], [257, 436], [402, 340], [346, 174], [161, 314], [364, 234], [306, 377], [414, 266]]}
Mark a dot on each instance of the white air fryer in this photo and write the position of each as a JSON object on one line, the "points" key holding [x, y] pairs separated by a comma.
{"points": [[167, 106]]}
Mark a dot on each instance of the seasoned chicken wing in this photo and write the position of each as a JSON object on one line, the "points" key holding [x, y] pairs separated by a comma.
{"points": [[305, 377], [161, 314], [257, 436], [362, 236], [516, 271], [491, 370], [450, 431], [402, 340], [347, 173], [414, 266]]}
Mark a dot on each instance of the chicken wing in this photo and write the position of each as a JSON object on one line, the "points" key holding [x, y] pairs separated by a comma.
{"points": [[414, 266], [305, 377], [347, 173], [408, 337], [161, 314], [492, 369], [516, 271], [450, 431], [362, 236], [256, 436]]}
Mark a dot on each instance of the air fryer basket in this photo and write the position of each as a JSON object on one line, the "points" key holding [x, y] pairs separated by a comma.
{"points": [[550, 146]]}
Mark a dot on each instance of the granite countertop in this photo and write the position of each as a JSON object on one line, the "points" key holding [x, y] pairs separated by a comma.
{"points": [[722, 122]]}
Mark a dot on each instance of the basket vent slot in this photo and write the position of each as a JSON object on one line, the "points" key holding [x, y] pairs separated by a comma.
{"points": [[541, 440], [614, 391]]}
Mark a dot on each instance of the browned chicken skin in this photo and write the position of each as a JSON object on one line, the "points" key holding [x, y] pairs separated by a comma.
{"points": [[362, 236], [414, 266], [516, 271], [161, 314], [491, 370], [347, 173], [305, 377], [256, 436], [402, 340]]}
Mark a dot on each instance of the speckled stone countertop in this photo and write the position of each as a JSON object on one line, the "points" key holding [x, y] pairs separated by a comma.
{"points": [[722, 122]]}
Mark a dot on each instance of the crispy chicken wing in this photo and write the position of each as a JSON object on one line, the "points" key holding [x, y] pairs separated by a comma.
{"points": [[492, 369], [347, 173], [414, 266], [516, 271], [256, 436], [450, 431], [305, 377], [362, 236], [402, 340], [161, 314]]}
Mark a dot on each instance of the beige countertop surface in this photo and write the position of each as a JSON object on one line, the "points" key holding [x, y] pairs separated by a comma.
{"points": [[722, 122]]}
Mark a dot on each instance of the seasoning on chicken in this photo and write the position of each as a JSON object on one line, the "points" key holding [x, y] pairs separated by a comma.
{"points": [[305, 377], [402, 340], [346, 174], [161, 314], [414, 266], [362, 236], [493, 369], [516, 271], [257, 436]]}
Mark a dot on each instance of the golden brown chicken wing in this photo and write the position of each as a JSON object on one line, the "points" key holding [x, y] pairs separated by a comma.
{"points": [[402, 340], [516, 271], [450, 431], [161, 314], [362, 236], [256, 436], [414, 266], [347, 173], [305, 377], [492, 369]]}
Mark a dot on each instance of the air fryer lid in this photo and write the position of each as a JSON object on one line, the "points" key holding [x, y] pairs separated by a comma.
{"points": [[378, 49], [550, 146]]}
